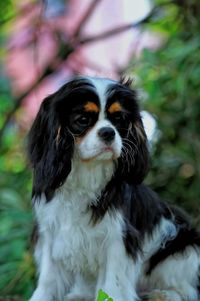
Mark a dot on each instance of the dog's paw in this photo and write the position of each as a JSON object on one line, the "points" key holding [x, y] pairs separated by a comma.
{"points": [[161, 295], [76, 297], [41, 295], [156, 295]]}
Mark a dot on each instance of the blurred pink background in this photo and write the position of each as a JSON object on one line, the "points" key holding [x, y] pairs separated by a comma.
{"points": [[38, 32]]}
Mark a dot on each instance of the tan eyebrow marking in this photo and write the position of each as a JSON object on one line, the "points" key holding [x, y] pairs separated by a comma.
{"points": [[91, 107], [115, 107]]}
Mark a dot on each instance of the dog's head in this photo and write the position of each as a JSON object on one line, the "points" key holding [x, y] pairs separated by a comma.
{"points": [[95, 119]]}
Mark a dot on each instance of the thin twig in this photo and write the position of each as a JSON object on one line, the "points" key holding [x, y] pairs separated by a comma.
{"points": [[85, 17]]}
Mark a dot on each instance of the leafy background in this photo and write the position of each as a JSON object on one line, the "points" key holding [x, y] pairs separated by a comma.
{"points": [[169, 81]]}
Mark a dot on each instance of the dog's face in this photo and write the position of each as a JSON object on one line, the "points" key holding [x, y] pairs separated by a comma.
{"points": [[95, 119]]}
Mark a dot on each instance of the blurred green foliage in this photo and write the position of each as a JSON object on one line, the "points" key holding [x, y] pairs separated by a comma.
{"points": [[7, 9], [16, 264], [170, 77]]}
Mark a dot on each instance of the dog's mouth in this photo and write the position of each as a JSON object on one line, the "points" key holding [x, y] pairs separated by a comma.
{"points": [[105, 154], [107, 149]]}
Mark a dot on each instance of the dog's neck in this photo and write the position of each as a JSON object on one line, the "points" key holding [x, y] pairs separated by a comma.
{"points": [[88, 179]]}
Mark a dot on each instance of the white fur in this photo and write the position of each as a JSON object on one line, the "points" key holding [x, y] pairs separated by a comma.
{"points": [[175, 278], [91, 146], [74, 256], [178, 272], [77, 259], [101, 86], [162, 233]]}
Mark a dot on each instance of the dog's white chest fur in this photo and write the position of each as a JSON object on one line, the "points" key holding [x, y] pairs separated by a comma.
{"points": [[78, 248], [77, 243], [66, 223]]}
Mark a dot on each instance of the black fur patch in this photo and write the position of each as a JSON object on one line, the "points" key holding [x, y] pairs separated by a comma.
{"points": [[187, 236], [140, 206]]}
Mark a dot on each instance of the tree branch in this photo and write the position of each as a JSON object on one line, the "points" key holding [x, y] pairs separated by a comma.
{"points": [[116, 30], [85, 17], [73, 45]]}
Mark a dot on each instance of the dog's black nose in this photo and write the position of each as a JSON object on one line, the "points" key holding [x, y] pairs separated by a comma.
{"points": [[107, 134]]}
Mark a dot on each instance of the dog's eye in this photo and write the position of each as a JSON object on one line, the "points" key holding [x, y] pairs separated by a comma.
{"points": [[82, 120], [117, 118]]}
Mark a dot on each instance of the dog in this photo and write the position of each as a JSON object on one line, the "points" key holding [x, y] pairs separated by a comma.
{"points": [[98, 226]]}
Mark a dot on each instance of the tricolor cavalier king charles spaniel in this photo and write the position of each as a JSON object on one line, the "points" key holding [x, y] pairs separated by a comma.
{"points": [[98, 226]]}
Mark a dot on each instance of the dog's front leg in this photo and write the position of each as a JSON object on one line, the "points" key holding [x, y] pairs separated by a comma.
{"points": [[118, 274], [50, 285], [46, 289]]}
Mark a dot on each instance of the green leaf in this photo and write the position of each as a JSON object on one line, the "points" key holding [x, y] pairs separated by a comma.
{"points": [[102, 296]]}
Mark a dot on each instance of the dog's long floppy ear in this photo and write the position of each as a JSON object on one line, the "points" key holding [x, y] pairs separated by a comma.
{"points": [[141, 153], [50, 148], [135, 164]]}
